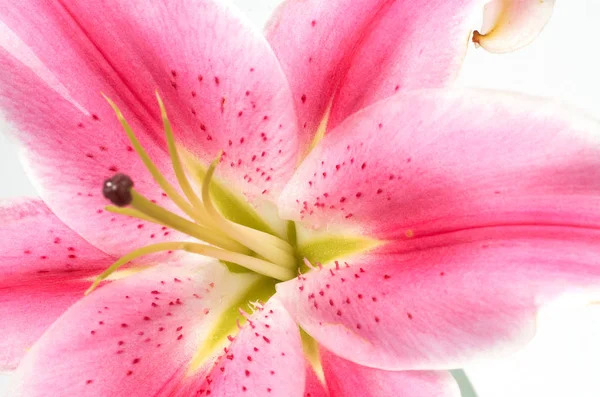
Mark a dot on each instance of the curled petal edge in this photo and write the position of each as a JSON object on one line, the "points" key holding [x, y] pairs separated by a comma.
{"points": [[509, 25]]}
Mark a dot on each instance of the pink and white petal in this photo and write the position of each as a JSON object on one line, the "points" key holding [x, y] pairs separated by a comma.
{"points": [[313, 386], [71, 148], [265, 359], [343, 378], [448, 299], [131, 337], [221, 82], [355, 53], [45, 268], [435, 161], [512, 24], [347, 379]]}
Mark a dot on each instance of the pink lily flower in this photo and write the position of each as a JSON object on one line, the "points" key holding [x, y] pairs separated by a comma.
{"points": [[429, 225]]}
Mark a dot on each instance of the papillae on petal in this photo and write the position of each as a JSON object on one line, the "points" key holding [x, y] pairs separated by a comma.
{"points": [[456, 298], [134, 337], [265, 359], [489, 203], [439, 160]]}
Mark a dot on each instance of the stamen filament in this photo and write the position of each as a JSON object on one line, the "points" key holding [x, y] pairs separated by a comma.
{"points": [[251, 263], [156, 174], [268, 238], [176, 160], [269, 252], [176, 222], [150, 249], [258, 251], [133, 213]]}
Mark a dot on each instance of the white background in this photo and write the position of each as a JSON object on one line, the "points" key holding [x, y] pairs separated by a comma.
{"points": [[564, 358]]}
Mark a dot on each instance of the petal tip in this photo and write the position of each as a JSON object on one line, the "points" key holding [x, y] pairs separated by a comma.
{"points": [[510, 25]]}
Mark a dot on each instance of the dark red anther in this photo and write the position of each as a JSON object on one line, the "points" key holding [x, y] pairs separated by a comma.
{"points": [[118, 190]]}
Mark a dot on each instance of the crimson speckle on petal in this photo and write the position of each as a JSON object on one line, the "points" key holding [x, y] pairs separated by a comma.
{"points": [[257, 253]]}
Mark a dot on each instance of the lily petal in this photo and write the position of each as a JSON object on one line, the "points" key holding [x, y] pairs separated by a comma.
{"points": [[70, 151], [221, 82], [132, 337], [45, 268], [345, 378], [450, 160], [265, 359], [449, 171], [314, 386], [512, 24], [352, 53], [223, 90], [460, 297]]}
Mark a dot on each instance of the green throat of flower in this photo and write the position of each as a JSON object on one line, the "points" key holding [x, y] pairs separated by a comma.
{"points": [[219, 237]]}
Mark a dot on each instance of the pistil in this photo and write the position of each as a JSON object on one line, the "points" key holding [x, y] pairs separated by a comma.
{"points": [[255, 250], [165, 217], [156, 174]]}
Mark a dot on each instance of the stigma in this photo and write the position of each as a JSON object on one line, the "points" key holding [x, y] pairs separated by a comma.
{"points": [[118, 190], [212, 234]]}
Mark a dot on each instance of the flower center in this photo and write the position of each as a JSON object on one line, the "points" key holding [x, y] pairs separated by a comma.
{"points": [[255, 250]]}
